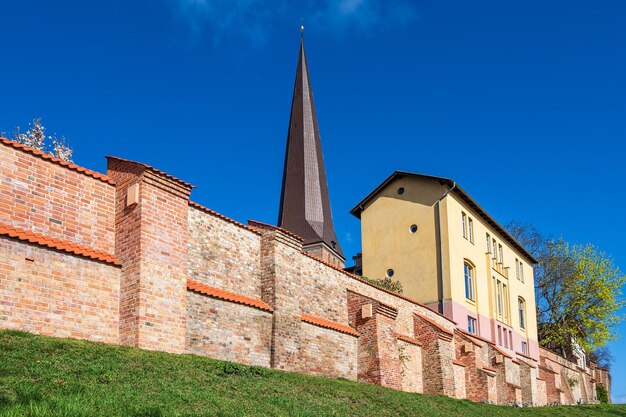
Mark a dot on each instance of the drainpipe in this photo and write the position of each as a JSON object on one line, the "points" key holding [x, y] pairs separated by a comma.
{"points": [[438, 237]]}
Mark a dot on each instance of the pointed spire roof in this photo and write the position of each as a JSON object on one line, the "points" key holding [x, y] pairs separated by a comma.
{"points": [[304, 203]]}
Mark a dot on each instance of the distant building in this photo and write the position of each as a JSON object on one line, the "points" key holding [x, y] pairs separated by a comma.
{"points": [[449, 254]]}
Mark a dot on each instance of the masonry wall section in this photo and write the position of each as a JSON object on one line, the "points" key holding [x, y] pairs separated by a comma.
{"points": [[310, 317], [228, 331], [53, 293], [45, 197]]}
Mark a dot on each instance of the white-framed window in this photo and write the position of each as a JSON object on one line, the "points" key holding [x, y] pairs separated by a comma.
{"points": [[521, 306], [471, 325], [464, 224], [521, 271], [499, 298], [524, 347], [495, 249], [516, 268], [505, 302], [500, 256], [488, 243], [468, 271], [470, 223]]}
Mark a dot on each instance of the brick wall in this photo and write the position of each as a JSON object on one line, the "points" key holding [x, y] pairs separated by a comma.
{"points": [[411, 366], [228, 331], [55, 294], [327, 352], [223, 254], [152, 245], [164, 240], [46, 197]]}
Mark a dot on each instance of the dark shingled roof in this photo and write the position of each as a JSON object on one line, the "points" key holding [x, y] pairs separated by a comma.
{"points": [[304, 202]]}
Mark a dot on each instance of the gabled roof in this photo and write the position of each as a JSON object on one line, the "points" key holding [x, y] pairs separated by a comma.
{"points": [[455, 188], [304, 202]]}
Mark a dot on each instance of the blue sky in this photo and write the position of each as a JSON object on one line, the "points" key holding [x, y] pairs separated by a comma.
{"points": [[522, 102]]}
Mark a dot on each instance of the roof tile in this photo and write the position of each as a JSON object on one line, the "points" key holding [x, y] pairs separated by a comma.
{"points": [[317, 321], [62, 245], [227, 295]]}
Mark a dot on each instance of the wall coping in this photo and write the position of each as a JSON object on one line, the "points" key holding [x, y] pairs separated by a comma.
{"points": [[332, 325], [408, 339], [154, 170], [436, 325], [58, 244], [57, 161], [225, 218], [227, 295], [253, 223]]}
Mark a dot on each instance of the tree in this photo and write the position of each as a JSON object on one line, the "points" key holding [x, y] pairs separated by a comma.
{"points": [[577, 290], [603, 357], [387, 283], [35, 138]]}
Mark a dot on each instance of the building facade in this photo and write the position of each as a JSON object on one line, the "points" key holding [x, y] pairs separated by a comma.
{"points": [[449, 254]]}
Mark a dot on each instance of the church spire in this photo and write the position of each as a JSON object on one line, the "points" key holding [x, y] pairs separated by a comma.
{"points": [[304, 203]]}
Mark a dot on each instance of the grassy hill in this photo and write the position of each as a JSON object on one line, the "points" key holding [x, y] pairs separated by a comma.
{"points": [[42, 376]]}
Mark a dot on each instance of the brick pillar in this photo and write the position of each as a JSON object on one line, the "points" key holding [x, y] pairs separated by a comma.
{"points": [[279, 270], [469, 352], [438, 355], [151, 242], [378, 355]]}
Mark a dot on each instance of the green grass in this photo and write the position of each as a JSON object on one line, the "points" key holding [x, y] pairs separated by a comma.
{"points": [[42, 376]]}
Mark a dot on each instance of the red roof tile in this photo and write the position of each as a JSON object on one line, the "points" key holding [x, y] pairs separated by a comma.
{"points": [[221, 216], [317, 321], [358, 278], [57, 161], [155, 170], [58, 244], [227, 295], [408, 339]]}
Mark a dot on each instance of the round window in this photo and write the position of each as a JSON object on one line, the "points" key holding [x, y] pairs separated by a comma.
{"points": [[400, 190], [413, 228], [390, 273]]}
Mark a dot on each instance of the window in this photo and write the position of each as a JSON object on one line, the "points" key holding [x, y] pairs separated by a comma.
{"points": [[390, 273], [522, 312], [400, 190], [488, 243], [500, 253], [413, 228], [471, 230], [521, 271], [499, 335], [495, 249], [505, 302], [524, 348], [469, 281], [516, 268], [464, 224], [471, 324], [499, 298]]}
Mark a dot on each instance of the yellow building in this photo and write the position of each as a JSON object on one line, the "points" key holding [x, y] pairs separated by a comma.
{"points": [[450, 255]]}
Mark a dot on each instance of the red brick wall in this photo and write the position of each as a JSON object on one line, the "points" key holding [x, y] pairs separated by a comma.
{"points": [[152, 245], [47, 198], [56, 294], [228, 331]]}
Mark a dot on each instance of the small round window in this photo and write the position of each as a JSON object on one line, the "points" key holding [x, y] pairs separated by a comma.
{"points": [[390, 273], [413, 228], [400, 190]]}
